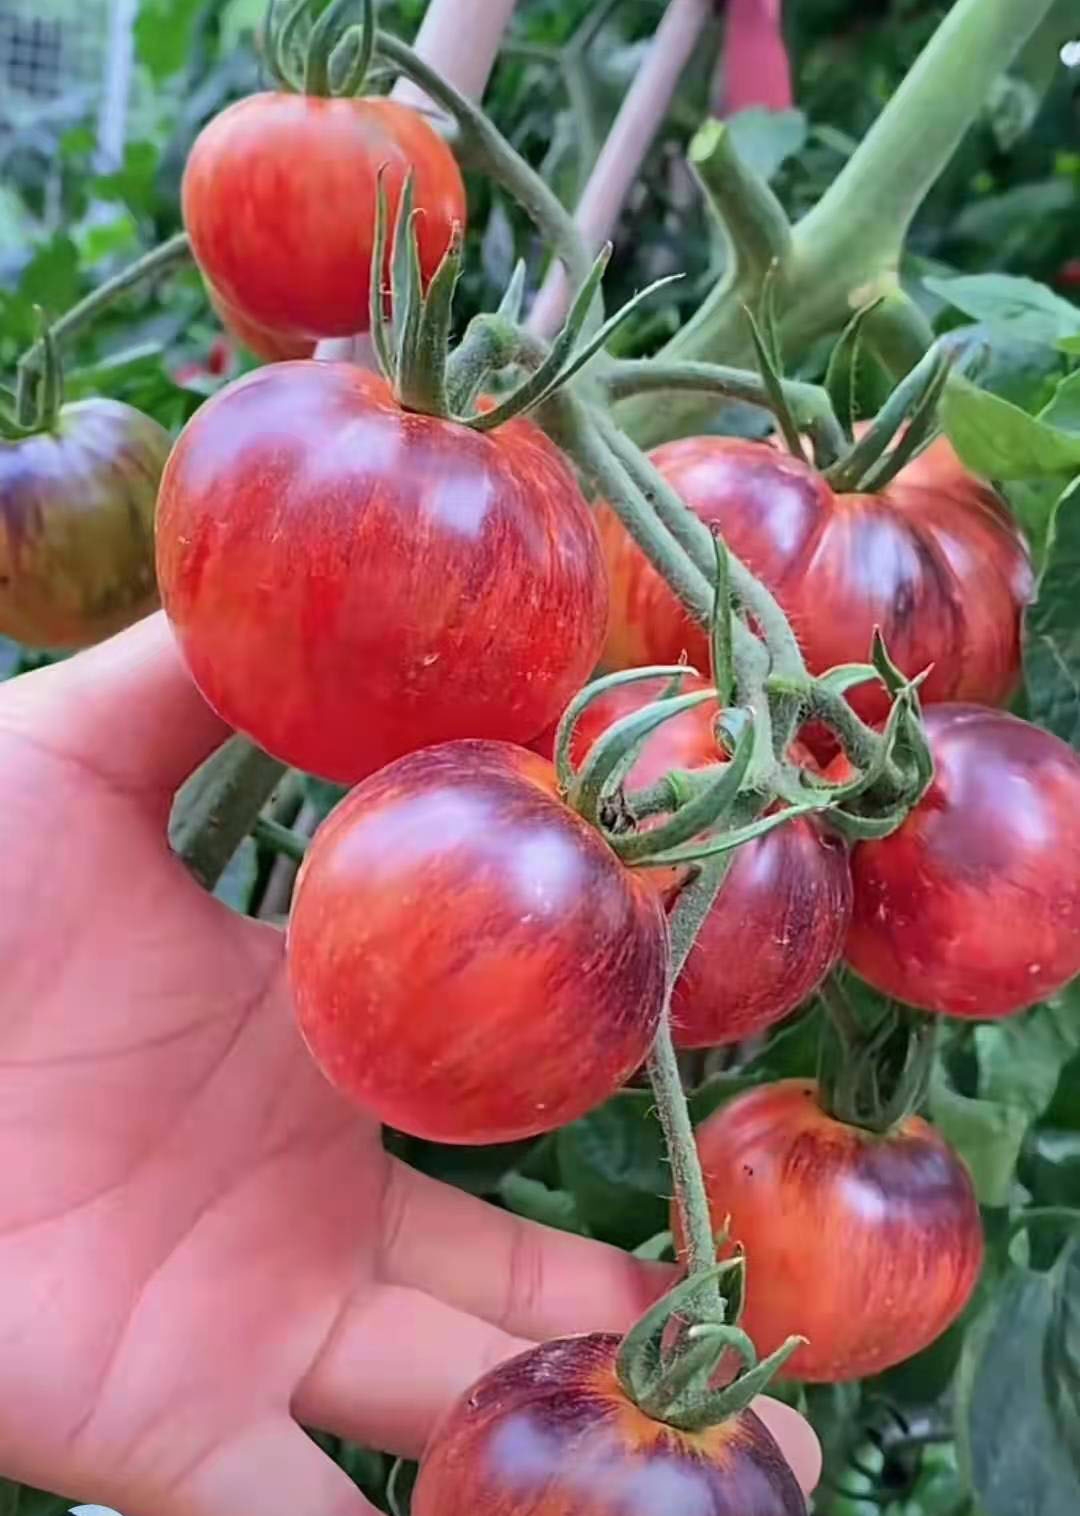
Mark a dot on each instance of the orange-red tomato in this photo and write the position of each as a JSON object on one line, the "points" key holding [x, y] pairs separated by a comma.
{"points": [[552, 1433], [868, 1246], [779, 922], [972, 907], [272, 347], [469, 959], [279, 198], [349, 580], [934, 560]]}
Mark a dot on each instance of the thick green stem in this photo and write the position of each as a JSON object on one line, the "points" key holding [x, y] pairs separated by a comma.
{"points": [[219, 805], [847, 250], [152, 265], [753, 220], [481, 139]]}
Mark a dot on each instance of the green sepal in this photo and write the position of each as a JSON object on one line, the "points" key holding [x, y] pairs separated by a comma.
{"points": [[845, 676], [727, 841], [617, 747], [705, 810], [564, 734], [907, 398], [721, 638], [771, 379], [921, 431], [380, 333], [513, 300], [405, 282], [347, 76], [421, 378], [841, 377], [284, 57]]}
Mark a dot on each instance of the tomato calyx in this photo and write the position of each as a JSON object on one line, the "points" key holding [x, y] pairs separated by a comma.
{"points": [[320, 52], [669, 1362], [883, 1060]]}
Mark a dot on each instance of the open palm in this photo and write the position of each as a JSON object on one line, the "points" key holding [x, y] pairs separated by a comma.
{"points": [[200, 1245]]}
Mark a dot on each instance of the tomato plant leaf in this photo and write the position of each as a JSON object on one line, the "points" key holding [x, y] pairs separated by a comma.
{"points": [[987, 1134], [612, 1161], [1021, 1059], [532, 1199], [1063, 410], [1017, 1396], [1052, 628], [999, 440], [1027, 308]]}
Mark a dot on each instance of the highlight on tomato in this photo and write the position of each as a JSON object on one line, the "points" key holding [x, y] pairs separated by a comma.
{"points": [[77, 524], [470, 961], [869, 1245], [933, 560], [552, 1432], [779, 922], [972, 907], [349, 580]]}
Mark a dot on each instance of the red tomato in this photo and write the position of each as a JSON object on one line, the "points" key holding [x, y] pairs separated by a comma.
{"points": [[552, 1433], [279, 197], [77, 525], [469, 959], [868, 1246], [934, 560], [349, 581], [272, 347], [778, 924], [972, 907]]}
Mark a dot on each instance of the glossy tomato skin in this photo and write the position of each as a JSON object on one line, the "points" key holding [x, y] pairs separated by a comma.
{"points": [[552, 1433], [271, 347], [469, 960], [77, 525], [934, 560], [779, 922], [349, 581], [869, 1246], [279, 197], [972, 907]]}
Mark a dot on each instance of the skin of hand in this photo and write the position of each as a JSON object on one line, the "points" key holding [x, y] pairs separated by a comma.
{"points": [[201, 1246]]}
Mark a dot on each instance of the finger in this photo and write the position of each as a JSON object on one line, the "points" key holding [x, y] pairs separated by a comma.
{"points": [[524, 1278], [392, 1366], [272, 1468], [126, 709], [797, 1440]]}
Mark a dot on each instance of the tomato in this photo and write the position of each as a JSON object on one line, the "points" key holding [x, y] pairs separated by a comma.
{"points": [[868, 1246], [272, 347], [349, 581], [77, 525], [279, 198], [972, 907], [779, 922], [934, 560], [552, 1433], [469, 960]]}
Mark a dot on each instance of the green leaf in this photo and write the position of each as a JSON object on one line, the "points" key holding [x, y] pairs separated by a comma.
{"points": [[1018, 1395], [1052, 627], [479, 1170], [163, 32], [988, 1135], [534, 1200], [1020, 1060], [1050, 1168], [766, 139], [1027, 308], [613, 1163], [1000, 441], [9, 1498], [1070, 345], [1064, 408]]}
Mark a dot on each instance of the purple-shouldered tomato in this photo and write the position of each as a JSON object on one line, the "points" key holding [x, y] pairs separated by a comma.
{"points": [[868, 1245], [77, 525], [972, 907], [349, 581], [469, 959], [279, 199], [779, 922], [552, 1433], [934, 560]]}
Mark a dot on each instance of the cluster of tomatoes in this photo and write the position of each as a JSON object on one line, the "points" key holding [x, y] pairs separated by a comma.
{"points": [[397, 602]]}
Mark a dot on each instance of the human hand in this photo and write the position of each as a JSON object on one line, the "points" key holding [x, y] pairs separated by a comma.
{"points": [[201, 1246]]}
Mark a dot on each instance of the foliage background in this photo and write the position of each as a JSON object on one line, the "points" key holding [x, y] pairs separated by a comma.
{"points": [[995, 1404]]}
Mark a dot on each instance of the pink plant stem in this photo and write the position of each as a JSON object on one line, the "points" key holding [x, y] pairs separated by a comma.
{"points": [[633, 133], [754, 68], [462, 39]]}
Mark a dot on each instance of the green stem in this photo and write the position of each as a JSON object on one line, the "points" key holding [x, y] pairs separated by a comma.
{"points": [[859, 741], [280, 839], [219, 806], [753, 220], [1063, 1215], [152, 265], [497, 157], [808, 403]]}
